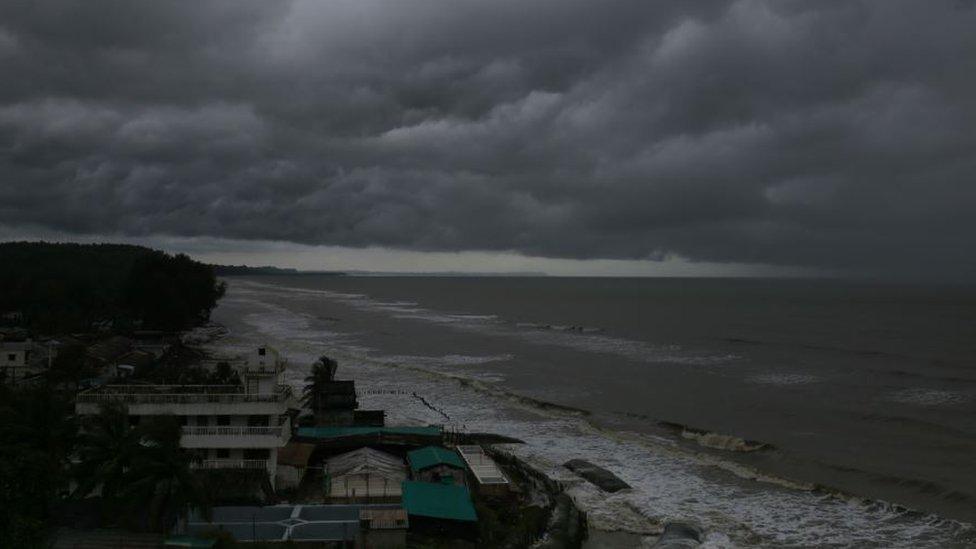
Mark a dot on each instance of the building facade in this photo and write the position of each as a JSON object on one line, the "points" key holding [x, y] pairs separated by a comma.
{"points": [[227, 426], [17, 361]]}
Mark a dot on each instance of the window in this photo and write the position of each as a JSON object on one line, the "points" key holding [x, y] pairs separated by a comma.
{"points": [[202, 421], [257, 421], [262, 351], [223, 420], [223, 453], [11, 357]]}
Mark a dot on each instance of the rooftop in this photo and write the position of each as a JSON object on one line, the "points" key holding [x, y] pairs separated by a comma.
{"points": [[366, 460], [484, 468], [286, 522], [443, 501], [433, 455]]}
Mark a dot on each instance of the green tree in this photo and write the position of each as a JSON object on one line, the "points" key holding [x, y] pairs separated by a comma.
{"points": [[323, 373], [71, 367], [161, 475], [37, 431], [171, 292], [106, 449]]}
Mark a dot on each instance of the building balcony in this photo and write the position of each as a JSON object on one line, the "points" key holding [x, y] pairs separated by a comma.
{"points": [[236, 436], [186, 400]]}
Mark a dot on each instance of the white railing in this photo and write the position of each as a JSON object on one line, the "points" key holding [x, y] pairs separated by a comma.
{"points": [[223, 430], [231, 464], [163, 394]]}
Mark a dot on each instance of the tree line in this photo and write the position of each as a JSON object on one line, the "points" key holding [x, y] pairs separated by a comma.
{"points": [[58, 287]]}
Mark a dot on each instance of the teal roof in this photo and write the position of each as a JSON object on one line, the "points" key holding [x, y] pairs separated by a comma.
{"points": [[443, 501], [338, 432], [433, 455]]}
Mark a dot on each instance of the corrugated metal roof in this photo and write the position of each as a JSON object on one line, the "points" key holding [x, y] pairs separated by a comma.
{"points": [[433, 455], [339, 432], [366, 460], [444, 501]]}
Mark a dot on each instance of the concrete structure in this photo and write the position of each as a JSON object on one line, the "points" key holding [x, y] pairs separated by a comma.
{"points": [[16, 361], [488, 478], [364, 475], [229, 426]]}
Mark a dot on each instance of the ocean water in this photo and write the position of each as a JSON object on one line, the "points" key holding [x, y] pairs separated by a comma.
{"points": [[774, 412]]}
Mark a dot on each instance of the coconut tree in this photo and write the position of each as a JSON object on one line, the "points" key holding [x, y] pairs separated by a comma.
{"points": [[106, 447], [323, 373], [161, 475]]}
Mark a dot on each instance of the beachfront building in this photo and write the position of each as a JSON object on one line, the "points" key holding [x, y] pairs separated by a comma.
{"points": [[437, 464], [228, 426]]}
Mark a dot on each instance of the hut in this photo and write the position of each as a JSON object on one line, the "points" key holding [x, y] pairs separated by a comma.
{"points": [[436, 464], [364, 475], [439, 509], [292, 464]]}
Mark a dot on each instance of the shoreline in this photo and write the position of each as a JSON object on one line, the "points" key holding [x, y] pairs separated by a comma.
{"points": [[675, 446]]}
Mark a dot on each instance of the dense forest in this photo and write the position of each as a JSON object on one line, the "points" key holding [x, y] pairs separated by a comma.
{"points": [[67, 287]]}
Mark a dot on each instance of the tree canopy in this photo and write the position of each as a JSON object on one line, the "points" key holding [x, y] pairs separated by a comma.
{"points": [[67, 287]]}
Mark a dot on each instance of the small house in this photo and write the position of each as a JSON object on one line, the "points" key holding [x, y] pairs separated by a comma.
{"points": [[293, 463], [437, 464]]}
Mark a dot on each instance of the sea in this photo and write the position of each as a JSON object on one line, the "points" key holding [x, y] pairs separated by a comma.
{"points": [[772, 412]]}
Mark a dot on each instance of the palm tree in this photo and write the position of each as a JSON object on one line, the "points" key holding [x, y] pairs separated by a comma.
{"points": [[161, 474], [105, 451], [323, 373]]}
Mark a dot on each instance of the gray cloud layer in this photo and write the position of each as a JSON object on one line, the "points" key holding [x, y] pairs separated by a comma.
{"points": [[829, 134]]}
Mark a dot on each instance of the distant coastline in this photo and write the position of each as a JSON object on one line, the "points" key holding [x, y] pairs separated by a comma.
{"points": [[245, 270]]}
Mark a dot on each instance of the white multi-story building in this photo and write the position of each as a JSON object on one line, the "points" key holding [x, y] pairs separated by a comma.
{"points": [[229, 426]]}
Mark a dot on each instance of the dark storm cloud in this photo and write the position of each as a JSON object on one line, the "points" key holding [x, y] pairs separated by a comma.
{"points": [[837, 135]]}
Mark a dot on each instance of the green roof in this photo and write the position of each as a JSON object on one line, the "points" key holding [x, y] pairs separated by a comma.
{"points": [[433, 455], [444, 501], [339, 432]]}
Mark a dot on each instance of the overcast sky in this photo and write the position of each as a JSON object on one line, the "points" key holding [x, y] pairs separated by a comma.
{"points": [[596, 137]]}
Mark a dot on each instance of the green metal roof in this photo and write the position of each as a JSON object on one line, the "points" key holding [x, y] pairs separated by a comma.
{"points": [[338, 432], [433, 455], [428, 499]]}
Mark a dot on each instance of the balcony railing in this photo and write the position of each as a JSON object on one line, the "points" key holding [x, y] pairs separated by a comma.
{"points": [[231, 464], [232, 431], [179, 394]]}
